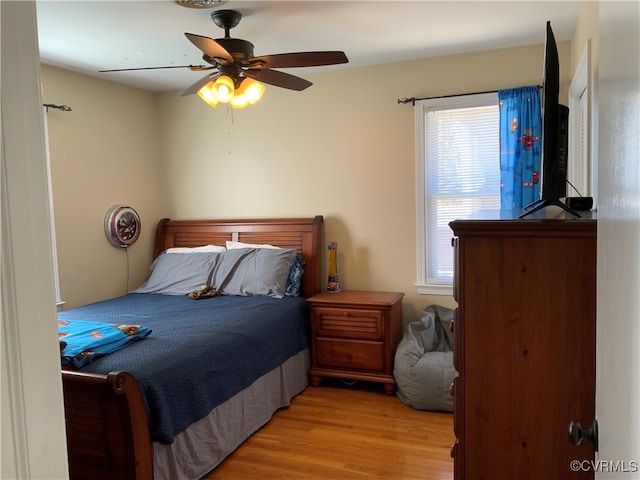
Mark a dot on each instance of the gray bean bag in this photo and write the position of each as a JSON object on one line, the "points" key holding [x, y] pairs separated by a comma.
{"points": [[424, 361]]}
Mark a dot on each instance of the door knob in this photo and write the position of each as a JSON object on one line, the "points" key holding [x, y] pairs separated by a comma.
{"points": [[577, 433]]}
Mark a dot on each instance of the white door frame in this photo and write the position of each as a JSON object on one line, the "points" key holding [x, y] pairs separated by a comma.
{"points": [[33, 432]]}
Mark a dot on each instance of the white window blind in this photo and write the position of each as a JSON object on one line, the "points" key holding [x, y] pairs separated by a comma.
{"points": [[579, 171], [459, 174]]}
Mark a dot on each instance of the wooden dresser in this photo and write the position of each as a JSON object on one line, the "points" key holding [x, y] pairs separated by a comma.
{"points": [[355, 335], [524, 347]]}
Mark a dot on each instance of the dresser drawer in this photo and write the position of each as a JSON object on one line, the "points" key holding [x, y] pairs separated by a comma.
{"points": [[349, 354], [348, 323]]}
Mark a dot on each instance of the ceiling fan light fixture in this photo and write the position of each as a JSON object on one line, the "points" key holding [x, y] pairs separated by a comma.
{"points": [[248, 92], [224, 89], [251, 89], [239, 101], [207, 94]]}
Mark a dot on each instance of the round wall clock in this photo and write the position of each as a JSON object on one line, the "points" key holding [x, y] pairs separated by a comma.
{"points": [[122, 226]]}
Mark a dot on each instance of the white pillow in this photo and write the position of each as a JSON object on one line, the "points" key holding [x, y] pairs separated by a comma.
{"points": [[204, 248], [231, 245]]}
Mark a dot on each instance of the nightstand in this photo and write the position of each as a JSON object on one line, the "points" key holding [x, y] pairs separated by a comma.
{"points": [[354, 335]]}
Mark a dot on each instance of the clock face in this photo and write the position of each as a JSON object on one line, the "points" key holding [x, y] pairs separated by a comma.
{"points": [[122, 226]]}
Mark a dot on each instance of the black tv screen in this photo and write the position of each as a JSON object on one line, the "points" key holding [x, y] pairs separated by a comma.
{"points": [[555, 133], [555, 128]]}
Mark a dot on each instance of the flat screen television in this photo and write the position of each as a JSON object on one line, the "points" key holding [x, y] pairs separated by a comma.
{"points": [[555, 133]]}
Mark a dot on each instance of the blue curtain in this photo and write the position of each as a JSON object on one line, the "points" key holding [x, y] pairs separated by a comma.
{"points": [[520, 146]]}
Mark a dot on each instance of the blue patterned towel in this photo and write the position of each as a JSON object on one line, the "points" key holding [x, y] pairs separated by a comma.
{"points": [[81, 342]]}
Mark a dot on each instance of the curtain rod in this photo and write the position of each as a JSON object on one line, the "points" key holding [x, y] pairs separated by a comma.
{"points": [[413, 100], [64, 108]]}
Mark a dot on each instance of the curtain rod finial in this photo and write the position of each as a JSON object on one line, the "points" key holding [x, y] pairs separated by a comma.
{"points": [[406, 100], [64, 108]]}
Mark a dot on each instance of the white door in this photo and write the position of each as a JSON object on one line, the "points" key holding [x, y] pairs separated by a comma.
{"points": [[618, 316]]}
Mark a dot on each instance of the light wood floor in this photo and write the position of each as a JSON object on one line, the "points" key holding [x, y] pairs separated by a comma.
{"points": [[340, 432]]}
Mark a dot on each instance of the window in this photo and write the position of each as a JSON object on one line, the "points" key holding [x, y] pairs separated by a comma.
{"points": [[458, 173], [580, 167]]}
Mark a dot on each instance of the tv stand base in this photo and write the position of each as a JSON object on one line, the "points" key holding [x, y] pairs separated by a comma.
{"points": [[539, 204]]}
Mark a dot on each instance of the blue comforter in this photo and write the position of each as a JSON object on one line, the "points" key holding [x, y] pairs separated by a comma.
{"points": [[201, 352]]}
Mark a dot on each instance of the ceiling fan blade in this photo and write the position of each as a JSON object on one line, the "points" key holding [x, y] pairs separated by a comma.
{"points": [[209, 47], [302, 59], [195, 68], [199, 84], [279, 79]]}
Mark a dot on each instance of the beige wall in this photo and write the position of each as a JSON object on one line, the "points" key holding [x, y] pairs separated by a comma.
{"points": [[344, 149], [586, 29], [104, 152]]}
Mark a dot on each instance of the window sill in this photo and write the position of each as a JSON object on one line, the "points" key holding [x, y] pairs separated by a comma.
{"points": [[435, 289]]}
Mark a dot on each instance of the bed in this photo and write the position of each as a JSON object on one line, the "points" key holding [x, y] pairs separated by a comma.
{"points": [[121, 425]]}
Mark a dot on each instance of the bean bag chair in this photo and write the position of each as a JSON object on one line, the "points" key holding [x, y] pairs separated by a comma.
{"points": [[423, 368]]}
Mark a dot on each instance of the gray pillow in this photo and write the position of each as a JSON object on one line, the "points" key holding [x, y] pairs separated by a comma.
{"points": [[253, 271], [179, 273]]}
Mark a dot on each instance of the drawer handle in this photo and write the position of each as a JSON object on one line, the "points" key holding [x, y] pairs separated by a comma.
{"points": [[577, 433]]}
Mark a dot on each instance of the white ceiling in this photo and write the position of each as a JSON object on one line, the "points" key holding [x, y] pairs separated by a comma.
{"points": [[87, 36]]}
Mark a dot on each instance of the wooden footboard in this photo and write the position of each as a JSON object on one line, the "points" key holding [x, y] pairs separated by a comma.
{"points": [[107, 428]]}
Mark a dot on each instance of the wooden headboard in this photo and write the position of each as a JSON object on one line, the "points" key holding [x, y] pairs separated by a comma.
{"points": [[301, 234]]}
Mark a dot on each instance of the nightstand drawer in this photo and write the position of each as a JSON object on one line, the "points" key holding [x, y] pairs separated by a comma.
{"points": [[348, 354], [348, 323]]}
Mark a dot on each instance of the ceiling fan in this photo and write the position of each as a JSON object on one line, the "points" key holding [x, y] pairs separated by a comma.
{"points": [[232, 62]]}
